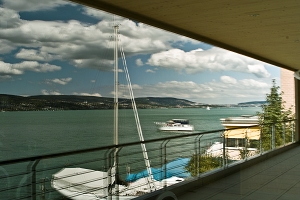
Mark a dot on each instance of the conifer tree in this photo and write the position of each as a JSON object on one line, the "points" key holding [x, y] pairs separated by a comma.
{"points": [[273, 118]]}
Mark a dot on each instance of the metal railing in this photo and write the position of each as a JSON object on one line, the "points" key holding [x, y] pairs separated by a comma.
{"points": [[180, 156]]}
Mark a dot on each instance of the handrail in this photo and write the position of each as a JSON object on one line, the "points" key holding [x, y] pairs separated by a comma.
{"points": [[68, 153]]}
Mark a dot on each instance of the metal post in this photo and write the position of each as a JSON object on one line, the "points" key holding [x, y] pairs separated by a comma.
{"points": [[33, 179], [198, 154], [43, 187], [260, 141], [165, 162], [293, 132], [273, 137], [224, 153], [117, 176], [106, 160], [110, 166], [283, 132]]}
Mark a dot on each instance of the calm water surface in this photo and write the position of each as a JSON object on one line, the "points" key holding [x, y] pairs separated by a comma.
{"points": [[25, 134]]}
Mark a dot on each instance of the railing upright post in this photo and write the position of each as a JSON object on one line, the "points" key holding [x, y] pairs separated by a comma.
{"points": [[110, 185], [33, 179], [260, 140], [199, 156], [283, 132], [246, 148], [43, 188], [165, 162], [273, 137], [293, 131], [198, 152], [224, 152], [161, 158], [117, 172]]}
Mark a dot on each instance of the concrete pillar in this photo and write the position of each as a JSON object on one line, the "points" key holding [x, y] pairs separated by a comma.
{"points": [[287, 86], [290, 87], [297, 109]]}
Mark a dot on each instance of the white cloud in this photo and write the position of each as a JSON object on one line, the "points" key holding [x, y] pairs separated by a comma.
{"points": [[52, 92], [209, 92], [102, 15], [34, 5], [9, 18], [73, 40], [150, 71], [20, 68], [139, 62], [253, 83], [33, 54], [36, 67], [136, 86], [7, 68], [100, 64], [228, 80], [259, 70], [6, 46], [62, 81], [214, 59], [87, 94], [5, 77]]}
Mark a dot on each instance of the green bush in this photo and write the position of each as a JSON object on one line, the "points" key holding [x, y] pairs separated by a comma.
{"points": [[205, 163]]}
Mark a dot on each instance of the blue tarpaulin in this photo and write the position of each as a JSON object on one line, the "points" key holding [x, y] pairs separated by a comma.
{"points": [[173, 168]]}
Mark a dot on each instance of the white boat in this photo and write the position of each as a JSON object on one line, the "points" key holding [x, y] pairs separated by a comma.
{"points": [[237, 129], [175, 125], [87, 184], [207, 108]]}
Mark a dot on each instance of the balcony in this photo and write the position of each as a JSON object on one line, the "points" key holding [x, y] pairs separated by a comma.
{"points": [[270, 178], [216, 172]]}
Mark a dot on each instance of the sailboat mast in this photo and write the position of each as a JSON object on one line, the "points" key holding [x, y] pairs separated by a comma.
{"points": [[116, 105], [116, 84]]}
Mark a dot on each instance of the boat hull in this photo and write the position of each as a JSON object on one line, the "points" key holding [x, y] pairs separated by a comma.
{"points": [[176, 128]]}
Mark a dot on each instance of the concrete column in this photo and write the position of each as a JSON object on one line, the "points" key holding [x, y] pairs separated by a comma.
{"points": [[297, 109]]}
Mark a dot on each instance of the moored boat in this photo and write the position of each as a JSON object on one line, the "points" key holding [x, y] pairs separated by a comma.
{"points": [[241, 134], [175, 125]]}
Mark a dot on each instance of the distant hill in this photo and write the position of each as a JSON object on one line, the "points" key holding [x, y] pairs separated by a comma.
{"points": [[253, 103], [163, 101], [74, 102]]}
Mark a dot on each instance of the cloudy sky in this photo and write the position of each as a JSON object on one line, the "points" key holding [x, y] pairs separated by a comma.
{"points": [[60, 48]]}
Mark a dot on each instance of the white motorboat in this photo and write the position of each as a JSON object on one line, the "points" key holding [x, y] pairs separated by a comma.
{"points": [[237, 131], [175, 125]]}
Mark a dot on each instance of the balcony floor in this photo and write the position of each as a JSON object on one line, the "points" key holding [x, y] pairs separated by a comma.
{"points": [[274, 178]]}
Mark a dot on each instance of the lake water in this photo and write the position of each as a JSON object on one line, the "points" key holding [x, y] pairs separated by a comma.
{"points": [[24, 134]]}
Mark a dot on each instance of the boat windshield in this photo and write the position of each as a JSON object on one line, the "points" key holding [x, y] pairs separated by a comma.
{"points": [[181, 121]]}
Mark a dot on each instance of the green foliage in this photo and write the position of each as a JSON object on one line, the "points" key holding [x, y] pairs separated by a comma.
{"points": [[272, 118], [205, 163]]}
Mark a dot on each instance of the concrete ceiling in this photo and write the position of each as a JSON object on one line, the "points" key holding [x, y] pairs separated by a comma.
{"points": [[267, 30]]}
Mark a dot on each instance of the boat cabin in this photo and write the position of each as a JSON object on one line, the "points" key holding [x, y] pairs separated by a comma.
{"points": [[180, 121], [241, 132]]}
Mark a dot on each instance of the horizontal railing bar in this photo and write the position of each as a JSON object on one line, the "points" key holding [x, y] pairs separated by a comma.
{"points": [[68, 153], [89, 150]]}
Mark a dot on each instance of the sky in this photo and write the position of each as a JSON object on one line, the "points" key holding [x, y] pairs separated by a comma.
{"points": [[61, 48]]}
